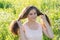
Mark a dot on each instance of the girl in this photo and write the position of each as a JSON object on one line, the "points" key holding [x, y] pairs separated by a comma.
{"points": [[32, 30]]}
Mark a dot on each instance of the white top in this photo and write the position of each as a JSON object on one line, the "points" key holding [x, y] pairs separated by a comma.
{"points": [[33, 34]]}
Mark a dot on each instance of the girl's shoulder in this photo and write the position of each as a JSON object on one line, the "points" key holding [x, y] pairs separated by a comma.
{"points": [[24, 23], [39, 23]]}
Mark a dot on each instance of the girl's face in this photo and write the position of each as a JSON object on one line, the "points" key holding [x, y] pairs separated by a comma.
{"points": [[32, 15]]}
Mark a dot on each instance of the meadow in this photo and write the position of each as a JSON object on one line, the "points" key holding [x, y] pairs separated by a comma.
{"points": [[10, 10]]}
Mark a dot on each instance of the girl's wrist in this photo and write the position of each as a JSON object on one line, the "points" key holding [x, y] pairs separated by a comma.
{"points": [[19, 23]]}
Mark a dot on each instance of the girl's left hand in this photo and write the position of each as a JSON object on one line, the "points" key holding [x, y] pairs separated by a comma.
{"points": [[43, 17]]}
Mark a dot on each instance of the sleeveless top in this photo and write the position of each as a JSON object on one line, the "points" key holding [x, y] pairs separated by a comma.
{"points": [[33, 34]]}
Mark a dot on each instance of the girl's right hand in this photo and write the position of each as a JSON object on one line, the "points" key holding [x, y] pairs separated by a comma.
{"points": [[19, 23]]}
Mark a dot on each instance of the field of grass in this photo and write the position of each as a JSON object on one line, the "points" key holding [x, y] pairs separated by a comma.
{"points": [[10, 9]]}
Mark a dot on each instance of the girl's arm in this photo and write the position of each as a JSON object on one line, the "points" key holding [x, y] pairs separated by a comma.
{"points": [[46, 27], [22, 31]]}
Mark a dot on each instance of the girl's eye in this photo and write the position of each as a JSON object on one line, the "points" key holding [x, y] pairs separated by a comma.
{"points": [[32, 13], [35, 13]]}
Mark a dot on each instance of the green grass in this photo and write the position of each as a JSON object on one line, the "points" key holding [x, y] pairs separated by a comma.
{"points": [[10, 9]]}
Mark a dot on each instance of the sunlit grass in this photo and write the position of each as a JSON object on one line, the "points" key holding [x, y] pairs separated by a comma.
{"points": [[49, 7]]}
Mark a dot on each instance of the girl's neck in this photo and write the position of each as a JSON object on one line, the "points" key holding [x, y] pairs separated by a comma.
{"points": [[31, 22]]}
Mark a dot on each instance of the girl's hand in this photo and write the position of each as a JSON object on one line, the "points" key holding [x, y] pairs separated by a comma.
{"points": [[43, 17], [19, 23]]}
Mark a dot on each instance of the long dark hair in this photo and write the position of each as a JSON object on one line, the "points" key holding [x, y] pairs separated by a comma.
{"points": [[14, 25]]}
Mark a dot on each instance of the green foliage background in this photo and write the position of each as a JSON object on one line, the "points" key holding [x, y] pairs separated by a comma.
{"points": [[10, 9]]}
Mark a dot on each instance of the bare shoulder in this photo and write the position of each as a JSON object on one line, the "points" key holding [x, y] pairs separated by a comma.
{"points": [[23, 25], [39, 23]]}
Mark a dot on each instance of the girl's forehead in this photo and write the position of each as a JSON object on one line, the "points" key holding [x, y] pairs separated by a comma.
{"points": [[33, 10]]}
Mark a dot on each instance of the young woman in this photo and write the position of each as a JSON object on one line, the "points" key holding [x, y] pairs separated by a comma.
{"points": [[32, 30]]}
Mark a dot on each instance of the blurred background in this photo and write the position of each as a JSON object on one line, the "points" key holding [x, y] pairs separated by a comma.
{"points": [[10, 10]]}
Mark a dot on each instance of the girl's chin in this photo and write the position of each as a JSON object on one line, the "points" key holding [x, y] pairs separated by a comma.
{"points": [[33, 20]]}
